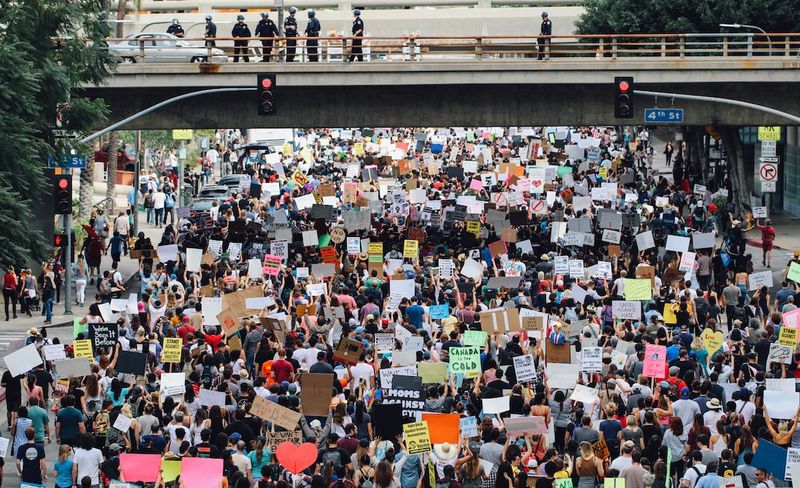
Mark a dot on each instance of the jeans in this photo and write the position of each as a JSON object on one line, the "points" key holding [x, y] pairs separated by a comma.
{"points": [[149, 218], [169, 212], [48, 309], [10, 296], [159, 215]]}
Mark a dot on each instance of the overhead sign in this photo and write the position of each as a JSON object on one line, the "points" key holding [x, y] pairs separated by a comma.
{"points": [[666, 115], [769, 133], [768, 172], [67, 161], [180, 134]]}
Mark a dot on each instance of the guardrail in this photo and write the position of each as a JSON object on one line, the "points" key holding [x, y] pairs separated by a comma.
{"points": [[418, 47]]}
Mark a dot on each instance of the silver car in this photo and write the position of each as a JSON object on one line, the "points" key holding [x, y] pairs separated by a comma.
{"points": [[163, 48]]}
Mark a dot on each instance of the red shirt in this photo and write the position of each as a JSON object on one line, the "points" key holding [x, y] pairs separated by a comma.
{"points": [[282, 369], [213, 341], [9, 281], [184, 330]]}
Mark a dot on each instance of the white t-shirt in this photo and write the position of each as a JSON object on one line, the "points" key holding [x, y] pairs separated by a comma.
{"points": [[361, 371], [159, 199], [621, 463], [691, 475], [88, 464]]}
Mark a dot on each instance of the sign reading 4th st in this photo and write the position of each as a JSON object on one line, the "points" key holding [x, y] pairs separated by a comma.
{"points": [[666, 115], [67, 161]]}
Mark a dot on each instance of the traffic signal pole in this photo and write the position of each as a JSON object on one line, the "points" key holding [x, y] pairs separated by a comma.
{"points": [[68, 260], [727, 101]]}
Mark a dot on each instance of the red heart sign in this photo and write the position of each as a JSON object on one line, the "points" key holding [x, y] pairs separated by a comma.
{"points": [[536, 183], [296, 458]]}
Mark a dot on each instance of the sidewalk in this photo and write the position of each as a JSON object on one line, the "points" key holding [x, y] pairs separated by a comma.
{"points": [[127, 266]]}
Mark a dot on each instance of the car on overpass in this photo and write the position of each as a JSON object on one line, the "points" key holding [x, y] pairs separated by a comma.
{"points": [[156, 47]]}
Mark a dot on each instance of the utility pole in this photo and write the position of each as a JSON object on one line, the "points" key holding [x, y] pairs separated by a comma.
{"points": [[181, 164], [136, 170]]}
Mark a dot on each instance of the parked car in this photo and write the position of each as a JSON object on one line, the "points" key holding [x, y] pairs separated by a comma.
{"points": [[201, 204], [163, 48], [233, 182]]}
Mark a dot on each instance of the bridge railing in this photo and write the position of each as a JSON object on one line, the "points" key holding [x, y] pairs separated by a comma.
{"points": [[418, 47]]}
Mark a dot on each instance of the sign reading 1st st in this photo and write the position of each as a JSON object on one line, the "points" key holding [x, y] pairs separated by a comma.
{"points": [[668, 115], [67, 161]]}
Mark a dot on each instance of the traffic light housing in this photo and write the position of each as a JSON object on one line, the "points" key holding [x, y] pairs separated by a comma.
{"points": [[62, 192], [266, 94], [623, 97], [60, 241]]}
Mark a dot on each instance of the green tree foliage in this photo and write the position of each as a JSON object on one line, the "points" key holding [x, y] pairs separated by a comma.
{"points": [[674, 16], [48, 49]]}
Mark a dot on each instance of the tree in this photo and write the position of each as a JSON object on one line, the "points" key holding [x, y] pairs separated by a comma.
{"points": [[39, 72]]}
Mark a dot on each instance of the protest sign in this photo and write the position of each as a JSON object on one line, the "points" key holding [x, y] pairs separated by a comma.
{"points": [[277, 414], [637, 289], [407, 392], [417, 437], [591, 359], [759, 280], [172, 348], [468, 427], [562, 375], [131, 362], [627, 309], [54, 352], [466, 360], [781, 404], [779, 353], [432, 372], [348, 351], [316, 389], [655, 361], [525, 368], [501, 319], [83, 349], [76, 367], [103, 335], [386, 374], [518, 426], [496, 405], [475, 338]]}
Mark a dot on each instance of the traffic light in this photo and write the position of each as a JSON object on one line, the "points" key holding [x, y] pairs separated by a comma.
{"points": [[60, 241], [62, 191], [623, 97], [266, 94]]}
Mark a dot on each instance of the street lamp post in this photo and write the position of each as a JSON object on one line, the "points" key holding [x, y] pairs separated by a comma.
{"points": [[750, 38]]}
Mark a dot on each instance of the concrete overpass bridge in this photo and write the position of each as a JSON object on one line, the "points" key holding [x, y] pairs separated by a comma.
{"points": [[490, 81]]}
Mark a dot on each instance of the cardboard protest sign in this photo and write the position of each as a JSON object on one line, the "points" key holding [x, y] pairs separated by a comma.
{"points": [[131, 362], [171, 352], [558, 353], [443, 427], [316, 393], [277, 414], [229, 322], [77, 367], [501, 319], [432, 372], [348, 351], [655, 361], [417, 437], [82, 349], [600, 449]]}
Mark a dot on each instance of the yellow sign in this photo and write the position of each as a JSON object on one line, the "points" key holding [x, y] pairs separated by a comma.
{"points": [[286, 149], [358, 147], [83, 349], [376, 248], [637, 289], [769, 133], [603, 172], [300, 178], [179, 134], [474, 227], [411, 249], [172, 350], [788, 337], [713, 340], [418, 439]]}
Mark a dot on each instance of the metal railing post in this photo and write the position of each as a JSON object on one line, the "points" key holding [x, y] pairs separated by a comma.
{"points": [[141, 50], [787, 47], [663, 47], [725, 46], [750, 45], [479, 47], [614, 48], [601, 47], [682, 47]]}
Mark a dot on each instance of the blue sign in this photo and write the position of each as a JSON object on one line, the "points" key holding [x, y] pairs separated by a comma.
{"points": [[669, 115], [67, 161]]}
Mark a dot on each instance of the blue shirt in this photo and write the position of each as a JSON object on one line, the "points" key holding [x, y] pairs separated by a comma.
{"points": [[708, 480], [64, 473], [414, 314]]}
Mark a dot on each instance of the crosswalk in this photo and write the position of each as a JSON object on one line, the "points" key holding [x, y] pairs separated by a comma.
{"points": [[11, 340]]}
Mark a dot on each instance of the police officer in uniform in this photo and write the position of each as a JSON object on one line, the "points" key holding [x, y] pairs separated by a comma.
{"points": [[544, 34], [290, 29], [266, 28], [312, 33], [358, 33], [211, 32], [240, 29], [176, 29]]}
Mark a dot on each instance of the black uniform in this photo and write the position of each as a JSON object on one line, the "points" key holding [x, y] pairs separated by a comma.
{"points": [[240, 30], [544, 36], [290, 30], [176, 30], [266, 28], [211, 33], [312, 32], [358, 32]]}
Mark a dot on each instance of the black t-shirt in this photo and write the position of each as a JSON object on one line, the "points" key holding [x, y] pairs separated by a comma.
{"points": [[43, 379], [205, 450], [13, 388], [30, 455]]}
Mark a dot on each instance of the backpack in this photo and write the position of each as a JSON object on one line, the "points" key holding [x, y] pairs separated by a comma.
{"points": [[334, 457], [169, 202], [206, 376], [365, 481]]}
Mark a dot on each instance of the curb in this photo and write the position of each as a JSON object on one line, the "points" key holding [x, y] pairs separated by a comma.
{"points": [[757, 243]]}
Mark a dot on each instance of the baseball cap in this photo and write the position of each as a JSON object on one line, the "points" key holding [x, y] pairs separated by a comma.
{"points": [[236, 436], [684, 393]]}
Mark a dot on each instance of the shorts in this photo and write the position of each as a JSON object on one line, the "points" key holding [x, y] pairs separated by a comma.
{"points": [[13, 405], [766, 245]]}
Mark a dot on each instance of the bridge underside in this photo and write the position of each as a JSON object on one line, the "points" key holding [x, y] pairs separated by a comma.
{"points": [[510, 93]]}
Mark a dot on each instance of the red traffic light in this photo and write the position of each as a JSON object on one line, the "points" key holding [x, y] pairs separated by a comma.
{"points": [[57, 241], [63, 183], [266, 83], [623, 86]]}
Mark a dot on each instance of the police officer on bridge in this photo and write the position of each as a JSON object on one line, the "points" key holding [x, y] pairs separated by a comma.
{"points": [[211, 32], [312, 33], [545, 32], [240, 29], [176, 29], [358, 33], [266, 28], [290, 29]]}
